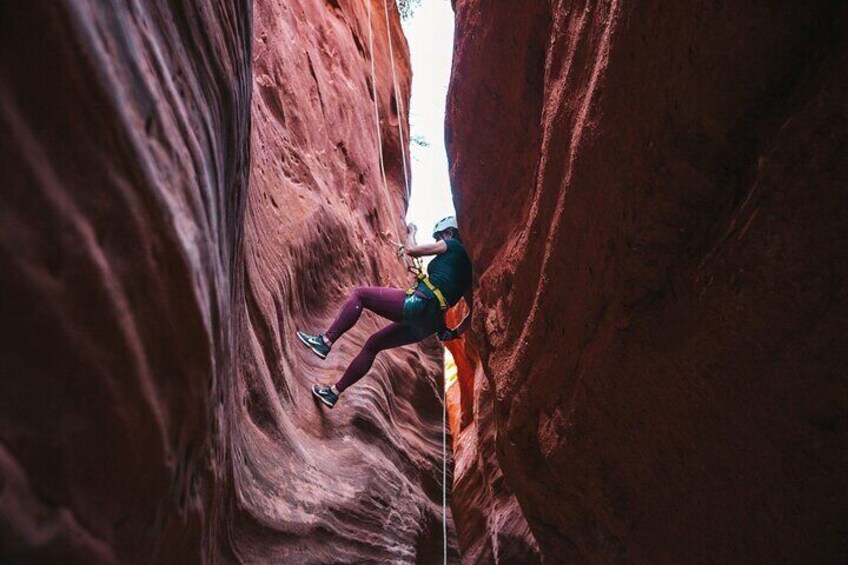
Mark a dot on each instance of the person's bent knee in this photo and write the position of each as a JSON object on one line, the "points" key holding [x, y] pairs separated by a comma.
{"points": [[355, 299], [358, 295]]}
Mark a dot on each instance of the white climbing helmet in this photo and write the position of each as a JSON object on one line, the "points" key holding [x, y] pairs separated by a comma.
{"points": [[445, 223]]}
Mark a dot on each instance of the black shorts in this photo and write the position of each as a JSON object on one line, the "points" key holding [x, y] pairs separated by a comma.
{"points": [[421, 310]]}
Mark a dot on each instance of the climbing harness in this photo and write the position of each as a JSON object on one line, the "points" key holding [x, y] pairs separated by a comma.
{"points": [[416, 265], [422, 277]]}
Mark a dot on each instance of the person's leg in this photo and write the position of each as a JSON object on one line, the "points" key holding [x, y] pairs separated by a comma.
{"points": [[383, 301], [393, 335]]}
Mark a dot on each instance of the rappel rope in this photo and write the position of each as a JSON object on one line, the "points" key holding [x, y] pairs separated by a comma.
{"points": [[398, 99], [397, 233], [445, 471], [416, 264], [377, 122]]}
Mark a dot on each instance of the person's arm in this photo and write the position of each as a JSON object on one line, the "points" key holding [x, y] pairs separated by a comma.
{"points": [[436, 248]]}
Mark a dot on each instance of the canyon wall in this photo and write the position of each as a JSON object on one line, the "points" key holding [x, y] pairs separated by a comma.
{"points": [[654, 199], [125, 131], [361, 483], [490, 525], [185, 184]]}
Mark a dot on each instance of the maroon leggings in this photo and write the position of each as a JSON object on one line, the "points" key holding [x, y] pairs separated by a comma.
{"points": [[386, 302]]}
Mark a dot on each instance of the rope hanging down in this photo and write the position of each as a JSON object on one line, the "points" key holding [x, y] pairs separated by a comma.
{"points": [[398, 99], [445, 472], [397, 233], [377, 123], [416, 265]]}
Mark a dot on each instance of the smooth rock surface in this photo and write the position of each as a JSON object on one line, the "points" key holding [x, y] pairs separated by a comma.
{"points": [[654, 198], [185, 184]]}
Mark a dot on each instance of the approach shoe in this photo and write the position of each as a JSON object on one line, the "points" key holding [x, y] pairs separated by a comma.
{"points": [[325, 394], [315, 343]]}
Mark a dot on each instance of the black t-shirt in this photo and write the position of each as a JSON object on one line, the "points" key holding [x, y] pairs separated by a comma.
{"points": [[451, 271]]}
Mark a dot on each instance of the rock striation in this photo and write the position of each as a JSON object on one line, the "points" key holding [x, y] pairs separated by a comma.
{"points": [[491, 527], [361, 483], [125, 136], [185, 184], [654, 199]]}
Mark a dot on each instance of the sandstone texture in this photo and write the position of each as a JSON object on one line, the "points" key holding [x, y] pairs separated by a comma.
{"points": [[491, 527], [361, 483], [186, 183], [125, 137], [654, 198]]}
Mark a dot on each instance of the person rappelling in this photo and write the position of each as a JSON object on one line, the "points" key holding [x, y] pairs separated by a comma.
{"points": [[416, 313]]}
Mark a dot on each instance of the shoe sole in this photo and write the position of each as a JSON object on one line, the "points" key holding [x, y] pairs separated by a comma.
{"points": [[306, 343], [322, 399]]}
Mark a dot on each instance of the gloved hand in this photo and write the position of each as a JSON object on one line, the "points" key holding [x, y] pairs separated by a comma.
{"points": [[401, 251], [447, 335]]}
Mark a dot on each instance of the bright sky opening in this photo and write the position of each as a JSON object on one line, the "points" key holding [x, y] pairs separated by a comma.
{"points": [[429, 32]]}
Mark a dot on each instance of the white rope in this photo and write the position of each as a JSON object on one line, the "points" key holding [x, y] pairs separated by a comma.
{"points": [[377, 121], [398, 99], [444, 471], [416, 264], [399, 103]]}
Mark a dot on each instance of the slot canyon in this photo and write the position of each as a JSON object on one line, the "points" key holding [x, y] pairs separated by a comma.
{"points": [[653, 196]]}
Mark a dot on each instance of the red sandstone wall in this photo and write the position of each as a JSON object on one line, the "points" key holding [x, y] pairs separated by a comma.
{"points": [[158, 251], [360, 483], [124, 156], [491, 527], [654, 199]]}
